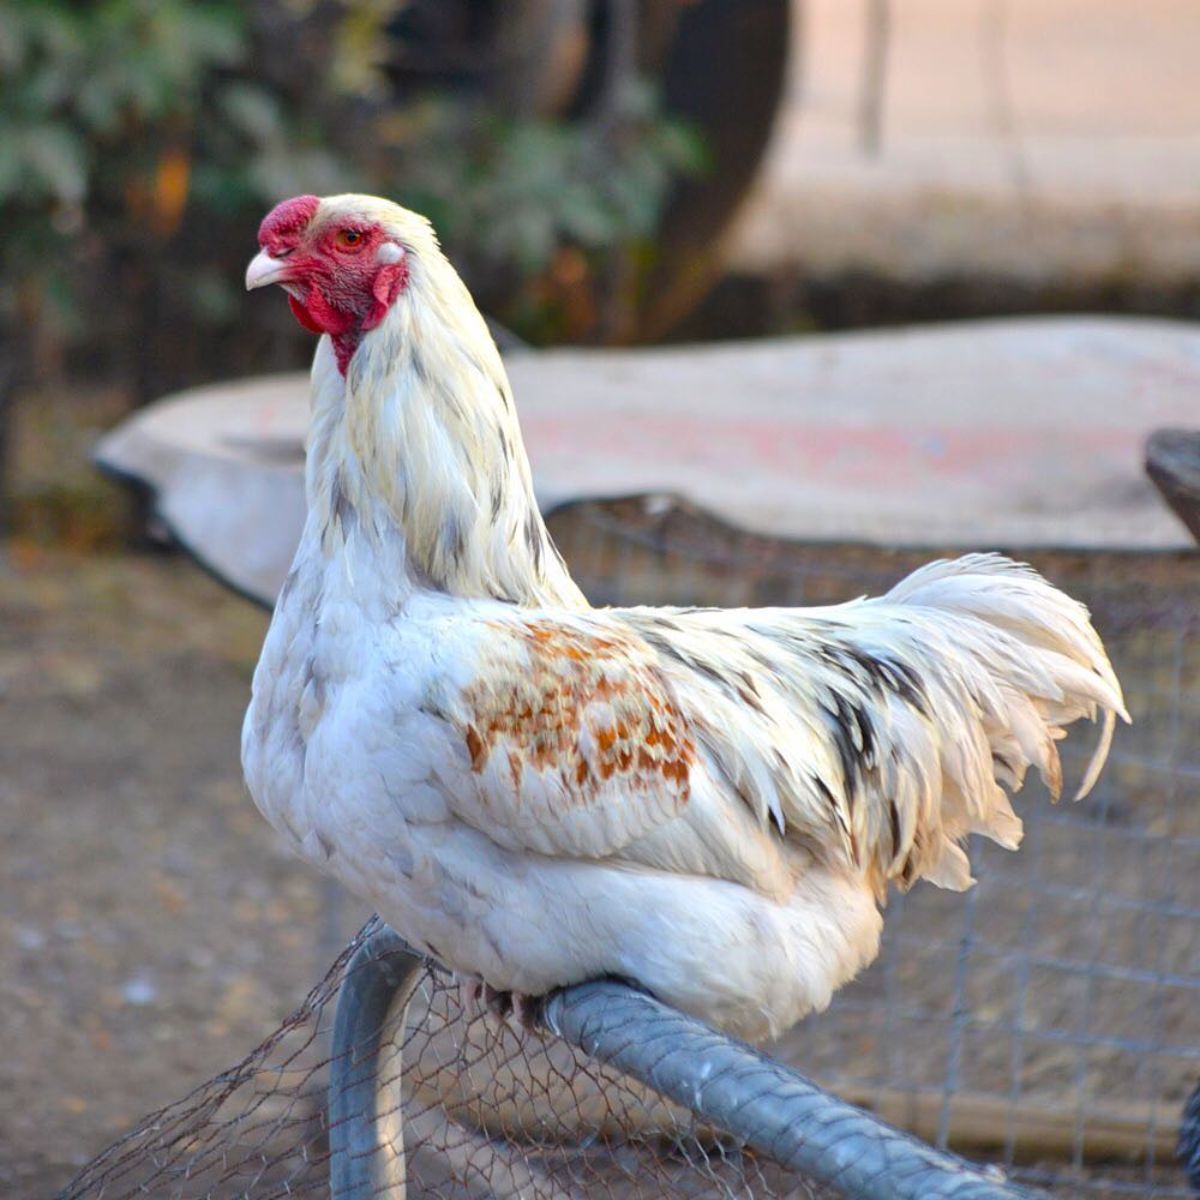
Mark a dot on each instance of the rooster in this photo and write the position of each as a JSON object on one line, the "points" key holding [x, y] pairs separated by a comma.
{"points": [[711, 804]]}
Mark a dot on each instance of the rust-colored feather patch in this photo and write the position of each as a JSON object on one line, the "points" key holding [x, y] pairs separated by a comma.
{"points": [[590, 708]]}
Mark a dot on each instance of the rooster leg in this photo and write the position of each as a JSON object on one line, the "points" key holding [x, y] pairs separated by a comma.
{"points": [[476, 997], [470, 996], [518, 1009]]}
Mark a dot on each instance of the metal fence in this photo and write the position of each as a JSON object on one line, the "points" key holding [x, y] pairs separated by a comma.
{"points": [[404, 1095], [1048, 1021]]}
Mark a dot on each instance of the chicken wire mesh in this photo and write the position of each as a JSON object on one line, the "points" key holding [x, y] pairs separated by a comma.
{"points": [[475, 1107], [1047, 1021]]}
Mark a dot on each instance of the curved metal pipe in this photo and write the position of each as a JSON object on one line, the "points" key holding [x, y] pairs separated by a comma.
{"points": [[1188, 1149], [767, 1105], [366, 1138]]}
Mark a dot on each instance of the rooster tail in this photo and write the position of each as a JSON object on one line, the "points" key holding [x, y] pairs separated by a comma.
{"points": [[880, 733], [1022, 658]]}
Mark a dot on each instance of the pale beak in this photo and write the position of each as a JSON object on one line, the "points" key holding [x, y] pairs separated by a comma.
{"points": [[264, 269]]}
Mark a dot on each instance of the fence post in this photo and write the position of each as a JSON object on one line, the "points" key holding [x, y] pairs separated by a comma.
{"points": [[366, 1138]]}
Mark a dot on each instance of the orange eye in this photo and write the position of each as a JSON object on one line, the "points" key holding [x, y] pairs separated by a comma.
{"points": [[349, 239]]}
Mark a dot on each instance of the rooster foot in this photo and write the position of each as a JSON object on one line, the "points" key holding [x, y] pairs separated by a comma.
{"points": [[518, 1009]]}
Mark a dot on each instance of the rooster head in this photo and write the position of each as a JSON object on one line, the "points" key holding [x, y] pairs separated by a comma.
{"points": [[343, 261]]}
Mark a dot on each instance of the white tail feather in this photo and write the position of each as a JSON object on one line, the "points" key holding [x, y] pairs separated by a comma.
{"points": [[1065, 676], [884, 731]]}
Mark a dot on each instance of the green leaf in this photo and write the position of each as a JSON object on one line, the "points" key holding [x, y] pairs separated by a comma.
{"points": [[52, 162], [254, 112]]}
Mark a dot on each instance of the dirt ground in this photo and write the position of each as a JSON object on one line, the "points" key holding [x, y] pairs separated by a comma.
{"points": [[151, 932]]}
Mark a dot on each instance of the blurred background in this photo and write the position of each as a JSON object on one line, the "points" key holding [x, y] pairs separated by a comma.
{"points": [[608, 172], [603, 173]]}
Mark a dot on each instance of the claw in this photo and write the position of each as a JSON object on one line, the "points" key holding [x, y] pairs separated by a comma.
{"points": [[518, 1010], [499, 1004], [526, 1010], [470, 995]]}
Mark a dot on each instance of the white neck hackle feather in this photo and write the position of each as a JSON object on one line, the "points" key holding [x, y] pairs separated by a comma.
{"points": [[420, 440]]}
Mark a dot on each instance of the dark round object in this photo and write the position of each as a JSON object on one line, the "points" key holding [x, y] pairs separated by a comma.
{"points": [[723, 70], [720, 65], [1173, 463]]}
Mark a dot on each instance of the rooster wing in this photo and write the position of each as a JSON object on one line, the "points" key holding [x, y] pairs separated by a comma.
{"points": [[872, 735], [576, 744]]}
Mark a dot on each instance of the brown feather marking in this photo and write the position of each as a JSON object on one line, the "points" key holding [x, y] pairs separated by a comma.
{"points": [[475, 748], [590, 708]]}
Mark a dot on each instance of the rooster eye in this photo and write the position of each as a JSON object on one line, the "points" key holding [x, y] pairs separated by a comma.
{"points": [[349, 239]]}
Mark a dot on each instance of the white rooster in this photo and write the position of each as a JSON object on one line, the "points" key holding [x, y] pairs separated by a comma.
{"points": [[711, 804]]}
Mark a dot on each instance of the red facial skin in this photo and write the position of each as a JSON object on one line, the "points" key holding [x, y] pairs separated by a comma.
{"points": [[336, 283]]}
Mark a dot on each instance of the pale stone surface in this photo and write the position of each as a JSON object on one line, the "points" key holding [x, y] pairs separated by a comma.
{"points": [[1002, 433], [1030, 139]]}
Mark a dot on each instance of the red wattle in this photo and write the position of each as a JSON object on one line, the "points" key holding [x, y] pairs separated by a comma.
{"points": [[303, 315], [317, 315]]}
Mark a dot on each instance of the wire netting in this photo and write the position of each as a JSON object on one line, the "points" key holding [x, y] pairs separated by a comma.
{"points": [[485, 1109], [1047, 1021]]}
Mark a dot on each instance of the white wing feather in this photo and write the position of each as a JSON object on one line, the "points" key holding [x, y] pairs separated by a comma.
{"points": [[875, 734]]}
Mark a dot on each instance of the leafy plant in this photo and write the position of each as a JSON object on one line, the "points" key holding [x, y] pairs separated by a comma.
{"points": [[533, 210], [141, 140], [99, 115]]}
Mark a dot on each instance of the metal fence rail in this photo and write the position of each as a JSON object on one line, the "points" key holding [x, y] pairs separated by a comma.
{"points": [[366, 1124], [762, 1103]]}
